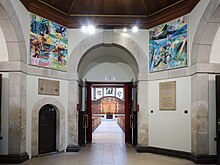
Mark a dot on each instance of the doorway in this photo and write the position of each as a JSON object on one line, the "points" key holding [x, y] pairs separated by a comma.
{"points": [[47, 129], [110, 103], [108, 114]]}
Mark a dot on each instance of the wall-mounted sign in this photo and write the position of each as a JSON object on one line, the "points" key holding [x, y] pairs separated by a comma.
{"points": [[109, 78], [167, 95], [48, 87]]}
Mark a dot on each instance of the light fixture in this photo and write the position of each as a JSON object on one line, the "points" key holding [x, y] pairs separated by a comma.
{"points": [[91, 29], [125, 30], [84, 29], [88, 29], [135, 29]]}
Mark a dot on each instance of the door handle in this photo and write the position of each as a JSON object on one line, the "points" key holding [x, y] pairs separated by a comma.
{"points": [[218, 125], [134, 122], [85, 119], [131, 119]]}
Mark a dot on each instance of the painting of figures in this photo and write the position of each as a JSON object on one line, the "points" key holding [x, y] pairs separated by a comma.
{"points": [[168, 45], [48, 43]]}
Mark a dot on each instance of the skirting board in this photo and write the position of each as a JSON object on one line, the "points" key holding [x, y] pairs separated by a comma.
{"points": [[201, 159], [14, 158]]}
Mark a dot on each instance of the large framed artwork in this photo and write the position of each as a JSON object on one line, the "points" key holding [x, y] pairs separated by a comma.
{"points": [[168, 45], [48, 43]]}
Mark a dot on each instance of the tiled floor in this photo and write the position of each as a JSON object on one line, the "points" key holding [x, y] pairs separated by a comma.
{"points": [[107, 149]]}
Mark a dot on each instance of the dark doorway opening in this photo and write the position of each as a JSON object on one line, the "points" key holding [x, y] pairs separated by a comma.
{"points": [[47, 129]]}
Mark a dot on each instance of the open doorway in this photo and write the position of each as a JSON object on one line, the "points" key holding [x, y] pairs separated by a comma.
{"points": [[106, 108], [108, 114]]}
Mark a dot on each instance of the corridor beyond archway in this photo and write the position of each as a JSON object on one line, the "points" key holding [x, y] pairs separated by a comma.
{"points": [[108, 132]]}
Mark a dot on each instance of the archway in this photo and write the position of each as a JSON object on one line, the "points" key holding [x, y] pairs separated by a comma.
{"points": [[200, 104], [108, 38], [101, 61], [117, 56], [60, 124], [13, 33]]}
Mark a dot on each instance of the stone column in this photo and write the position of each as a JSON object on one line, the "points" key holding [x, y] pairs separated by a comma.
{"points": [[73, 95], [200, 115], [17, 117], [142, 114]]}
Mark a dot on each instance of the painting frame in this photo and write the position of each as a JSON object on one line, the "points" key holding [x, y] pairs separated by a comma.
{"points": [[168, 45], [48, 44]]}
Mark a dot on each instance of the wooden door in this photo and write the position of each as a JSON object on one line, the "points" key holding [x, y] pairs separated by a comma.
{"points": [[131, 113], [88, 118], [128, 112], [47, 129], [81, 120], [218, 117], [134, 114]]}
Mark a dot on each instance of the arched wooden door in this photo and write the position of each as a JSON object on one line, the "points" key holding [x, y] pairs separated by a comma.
{"points": [[47, 129]]}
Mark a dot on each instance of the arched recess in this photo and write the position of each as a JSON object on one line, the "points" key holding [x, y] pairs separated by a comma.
{"points": [[111, 39], [108, 38], [201, 143], [60, 136], [107, 60], [13, 33], [205, 33]]}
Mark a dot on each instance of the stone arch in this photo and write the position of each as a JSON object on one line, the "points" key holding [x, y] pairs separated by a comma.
{"points": [[108, 38], [12, 31], [60, 124], [206, 32], [125, 57]]}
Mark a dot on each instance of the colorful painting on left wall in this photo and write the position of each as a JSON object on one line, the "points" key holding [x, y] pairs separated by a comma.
{"points": [[48, 43]]}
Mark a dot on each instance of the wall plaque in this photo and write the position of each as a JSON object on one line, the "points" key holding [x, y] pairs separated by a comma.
{"points": [[167, 95], [48, 87]]}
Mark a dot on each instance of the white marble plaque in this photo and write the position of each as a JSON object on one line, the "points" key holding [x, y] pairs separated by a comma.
{"points": [[168, 95], [48, 87]]}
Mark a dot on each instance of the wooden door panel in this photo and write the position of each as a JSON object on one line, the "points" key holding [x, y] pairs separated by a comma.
{"points": [[47, 129], [89, 113], [135, 128], [128, 113], [81, 128], [135, 113]]}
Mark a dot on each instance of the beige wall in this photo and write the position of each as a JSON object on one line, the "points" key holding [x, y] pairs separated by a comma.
{"points": [[33, 97]]}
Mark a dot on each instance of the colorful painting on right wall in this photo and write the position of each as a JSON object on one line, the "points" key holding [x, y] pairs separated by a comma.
{"points": [[168, 45]]}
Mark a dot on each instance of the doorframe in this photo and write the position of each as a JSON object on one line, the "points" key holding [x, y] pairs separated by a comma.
{"points": [[60, 131], [217, 90], [89, 85]]}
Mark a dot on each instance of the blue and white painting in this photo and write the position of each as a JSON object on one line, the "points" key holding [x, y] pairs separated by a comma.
{"points": [[168, 45]]}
